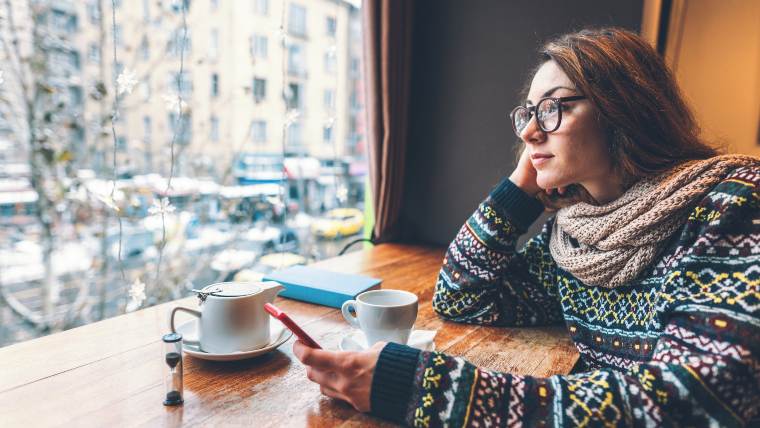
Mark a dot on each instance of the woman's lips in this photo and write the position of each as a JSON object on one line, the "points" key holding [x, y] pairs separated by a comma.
{"points": [[538, 159]]}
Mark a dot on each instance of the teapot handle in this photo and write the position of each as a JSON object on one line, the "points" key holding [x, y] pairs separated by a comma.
{"points": [[189, 311]]}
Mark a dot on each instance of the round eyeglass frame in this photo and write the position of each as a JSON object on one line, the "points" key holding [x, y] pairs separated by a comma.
{"points": [[532, 111]]}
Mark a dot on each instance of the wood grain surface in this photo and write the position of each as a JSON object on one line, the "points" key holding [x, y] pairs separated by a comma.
{"points": [[110, 373]]}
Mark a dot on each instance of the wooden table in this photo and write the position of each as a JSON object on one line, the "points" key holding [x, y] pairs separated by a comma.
{"points": [[110, 373]]}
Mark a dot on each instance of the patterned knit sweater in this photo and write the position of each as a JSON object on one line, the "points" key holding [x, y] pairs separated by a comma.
{"points": [[678, 346]]}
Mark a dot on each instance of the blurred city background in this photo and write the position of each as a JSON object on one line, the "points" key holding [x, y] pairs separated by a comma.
{"points": [[150, 147]]}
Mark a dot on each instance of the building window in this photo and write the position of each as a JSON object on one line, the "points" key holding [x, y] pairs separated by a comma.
{"points": [[185, 88], [214, 85], [118, 35], [214, 4], [294, 96], [327, 134], [331, 62], [259, 89], [261, 7], [63, 22], [93, 13], [174, 46], [213, 45], [147, 128], [145, 89], [259, 131], [144, 49], [329, 99], [331, 26], [75, 95], [355, 64], [297, 20], [214, 129], [121, 143], [296, 63], [146, 10], [181, 128], [93, 52], [295, 137], [259, 46]]}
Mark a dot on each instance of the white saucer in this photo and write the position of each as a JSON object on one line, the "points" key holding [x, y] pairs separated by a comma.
{"points": [[420, 339], [278, 335]]}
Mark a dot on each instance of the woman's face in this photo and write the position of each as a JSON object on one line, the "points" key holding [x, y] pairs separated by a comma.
{"points": [[576, 153]]}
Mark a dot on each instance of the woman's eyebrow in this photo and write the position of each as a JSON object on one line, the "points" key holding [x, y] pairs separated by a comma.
{"points": [[549, 92]]}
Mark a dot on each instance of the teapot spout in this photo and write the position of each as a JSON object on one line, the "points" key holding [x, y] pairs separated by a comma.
{"points": [[270, 289]]}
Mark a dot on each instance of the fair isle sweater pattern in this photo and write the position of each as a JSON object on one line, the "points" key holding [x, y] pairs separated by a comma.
{"points": [[679, 346]]}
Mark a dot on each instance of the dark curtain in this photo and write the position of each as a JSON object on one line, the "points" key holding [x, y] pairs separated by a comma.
{"points": [[387, 50]]}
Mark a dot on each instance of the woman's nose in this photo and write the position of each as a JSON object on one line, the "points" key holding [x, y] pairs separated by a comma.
{"points": [[532, 133]]}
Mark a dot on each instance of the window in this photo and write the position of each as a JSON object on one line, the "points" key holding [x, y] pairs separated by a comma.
{"points": [[75, 96], [213, 45], [331, 26], [331, 62], [214, 85], [295, 138], [174, 45], [252, 106], [145, 89], [259, 46], [214, 129], [63, 22], [177, 5], [297, 20], [93, 13], [259, 89], [296, 60], [259, 131], [118, 35], [185, 82], [328, 99], [144, 49], [327, 133], [147, 128], [182, 128], [146, 10], [93, 53], [294, 95], [261, 7]]}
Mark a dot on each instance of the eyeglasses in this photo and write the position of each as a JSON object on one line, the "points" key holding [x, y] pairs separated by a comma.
{"points": [[548, 113]]}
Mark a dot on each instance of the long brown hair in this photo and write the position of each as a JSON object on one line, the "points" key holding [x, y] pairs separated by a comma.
{"points": [[649, 126]]}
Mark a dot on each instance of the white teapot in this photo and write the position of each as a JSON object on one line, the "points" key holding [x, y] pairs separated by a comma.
{"points": [[232, 316]]}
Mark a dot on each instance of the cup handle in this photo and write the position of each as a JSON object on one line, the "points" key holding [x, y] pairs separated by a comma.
{"points": [[189, 311], [347, 307]]}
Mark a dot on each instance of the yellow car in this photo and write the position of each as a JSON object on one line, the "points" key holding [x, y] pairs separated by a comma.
{"points": [[339, 222]]}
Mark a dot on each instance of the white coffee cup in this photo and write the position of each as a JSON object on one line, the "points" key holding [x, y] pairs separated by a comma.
{"points": [[232, 316], [383, 315]]}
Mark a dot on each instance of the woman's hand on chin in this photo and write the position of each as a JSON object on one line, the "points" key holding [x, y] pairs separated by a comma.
{"points": [[343, 375], [524, 177]]}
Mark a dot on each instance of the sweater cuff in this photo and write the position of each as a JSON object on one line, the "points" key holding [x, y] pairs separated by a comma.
{"points": [[522, 208], [392, 382]]}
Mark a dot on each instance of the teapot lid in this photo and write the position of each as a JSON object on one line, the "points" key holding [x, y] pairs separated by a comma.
{"points": [[231, 289]]}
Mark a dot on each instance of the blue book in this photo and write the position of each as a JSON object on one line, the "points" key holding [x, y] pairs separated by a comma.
{"points": [[321, 286]]}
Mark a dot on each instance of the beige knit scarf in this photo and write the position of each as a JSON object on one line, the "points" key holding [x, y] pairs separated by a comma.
{"points": [[617, 241]]}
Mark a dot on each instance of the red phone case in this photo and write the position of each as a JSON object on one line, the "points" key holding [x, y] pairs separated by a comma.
{"points": [[290, 324]]}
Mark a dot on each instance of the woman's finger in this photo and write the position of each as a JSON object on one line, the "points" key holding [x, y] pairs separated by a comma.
{"points": [[316, 357], [324, 378], [326, 390]]}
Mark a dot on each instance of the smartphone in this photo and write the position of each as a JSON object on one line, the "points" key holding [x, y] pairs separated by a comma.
{"points": [[291, 325]]}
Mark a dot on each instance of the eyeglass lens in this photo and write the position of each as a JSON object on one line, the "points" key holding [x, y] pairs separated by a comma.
{"points": [[547, 112]]}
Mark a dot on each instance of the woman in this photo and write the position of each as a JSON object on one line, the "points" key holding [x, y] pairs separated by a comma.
{"points": [[652, 261]]}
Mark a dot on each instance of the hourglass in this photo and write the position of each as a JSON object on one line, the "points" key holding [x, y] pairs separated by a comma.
{"points": [[173, 374]]}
